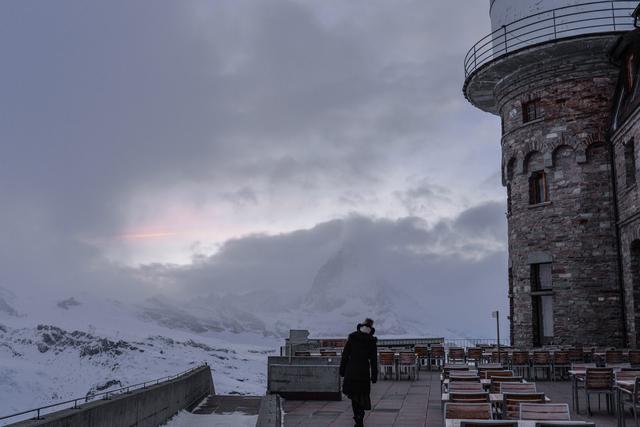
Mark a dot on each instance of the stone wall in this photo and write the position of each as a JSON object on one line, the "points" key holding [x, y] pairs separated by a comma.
{"points": [[575, 229], [629, 224]]}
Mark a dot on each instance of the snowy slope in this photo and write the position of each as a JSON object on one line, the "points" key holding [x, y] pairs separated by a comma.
{"points": [[44, 363]]}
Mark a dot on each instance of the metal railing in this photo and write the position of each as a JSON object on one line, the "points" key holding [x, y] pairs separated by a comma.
{"points": [[39, 412], [474, 342], [611, 16]]}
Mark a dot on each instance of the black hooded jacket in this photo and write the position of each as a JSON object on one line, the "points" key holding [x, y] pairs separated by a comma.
{"points": [[359, 363]]}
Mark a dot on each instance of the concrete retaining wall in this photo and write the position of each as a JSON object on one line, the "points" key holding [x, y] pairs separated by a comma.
{"points": [[147, 407], [270, 414], [304, 377]]}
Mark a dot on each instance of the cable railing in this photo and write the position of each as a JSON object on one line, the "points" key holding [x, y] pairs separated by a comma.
{"points": [[613, 16], [38, 413]]}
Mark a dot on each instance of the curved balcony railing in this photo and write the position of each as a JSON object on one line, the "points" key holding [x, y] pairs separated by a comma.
{"points": [[568, 21]]}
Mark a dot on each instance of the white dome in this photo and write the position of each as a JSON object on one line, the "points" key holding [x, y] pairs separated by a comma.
{"points": [[504, 12], [528, 22]]}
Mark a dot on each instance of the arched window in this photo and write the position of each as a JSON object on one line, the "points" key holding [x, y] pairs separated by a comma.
{"points": [[538, 188]]}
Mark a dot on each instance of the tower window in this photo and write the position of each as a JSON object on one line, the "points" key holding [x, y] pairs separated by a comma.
{"points": [[530, 110], [541, 277], [630, 162], [508, 199], [538, 192], [542, 303]]}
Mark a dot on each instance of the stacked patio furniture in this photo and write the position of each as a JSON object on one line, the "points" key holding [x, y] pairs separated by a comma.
{"points": [[541, 361], [386, 364], [408, 364], [436, 356], [520, 363]]}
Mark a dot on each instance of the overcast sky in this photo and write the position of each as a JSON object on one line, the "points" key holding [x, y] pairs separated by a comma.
{"points": [[150, 132]]}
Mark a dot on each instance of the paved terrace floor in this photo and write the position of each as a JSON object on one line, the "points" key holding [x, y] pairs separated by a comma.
{"points": [[417, 403]]}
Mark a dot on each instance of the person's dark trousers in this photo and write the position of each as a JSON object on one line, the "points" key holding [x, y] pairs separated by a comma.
{"points": [[358, 413]]}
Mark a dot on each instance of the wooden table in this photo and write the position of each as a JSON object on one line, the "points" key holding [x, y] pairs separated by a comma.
{"points": [[482, 381], [521, 423], [493, 398]]}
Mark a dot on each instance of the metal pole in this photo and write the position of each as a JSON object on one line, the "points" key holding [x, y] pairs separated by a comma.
{"points": [[498, 334], [555, 34], [613, 15]]}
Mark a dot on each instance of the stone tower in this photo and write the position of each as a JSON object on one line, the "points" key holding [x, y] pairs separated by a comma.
{"points": [[545, 71]]}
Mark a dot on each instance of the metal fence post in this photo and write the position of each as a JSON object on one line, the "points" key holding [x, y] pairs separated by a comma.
{"points": [[555, 33], [613, 15], [475, 58], [506, 49]]}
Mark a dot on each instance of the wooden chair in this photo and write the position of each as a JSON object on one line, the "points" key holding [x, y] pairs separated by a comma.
{"points": [[634, 358], [503, 373], [407, 363], [576, 355], [565, 424], [456, 354], [511, 403], [545, 411], [599, 381], [502, 357], [474, 354], [488, 423], [436, 356], [464, 378], [613, 356], [561, 362], [631, 399], [469, 396], [464, 386], [627, 375], [490, 366], [448, 370], [578, 366], [467, 411], [496, 382], [520, 363], [517, 388], [541, 360], [386, 364]]}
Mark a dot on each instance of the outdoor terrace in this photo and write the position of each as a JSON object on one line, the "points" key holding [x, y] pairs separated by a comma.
{"points": [[417, 403], [415, 392]]}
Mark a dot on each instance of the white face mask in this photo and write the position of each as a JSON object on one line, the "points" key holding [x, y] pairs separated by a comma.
{"points": [[365, 329]]}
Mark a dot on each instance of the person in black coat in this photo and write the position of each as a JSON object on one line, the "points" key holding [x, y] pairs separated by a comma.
{"points": [[359, 367]]}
